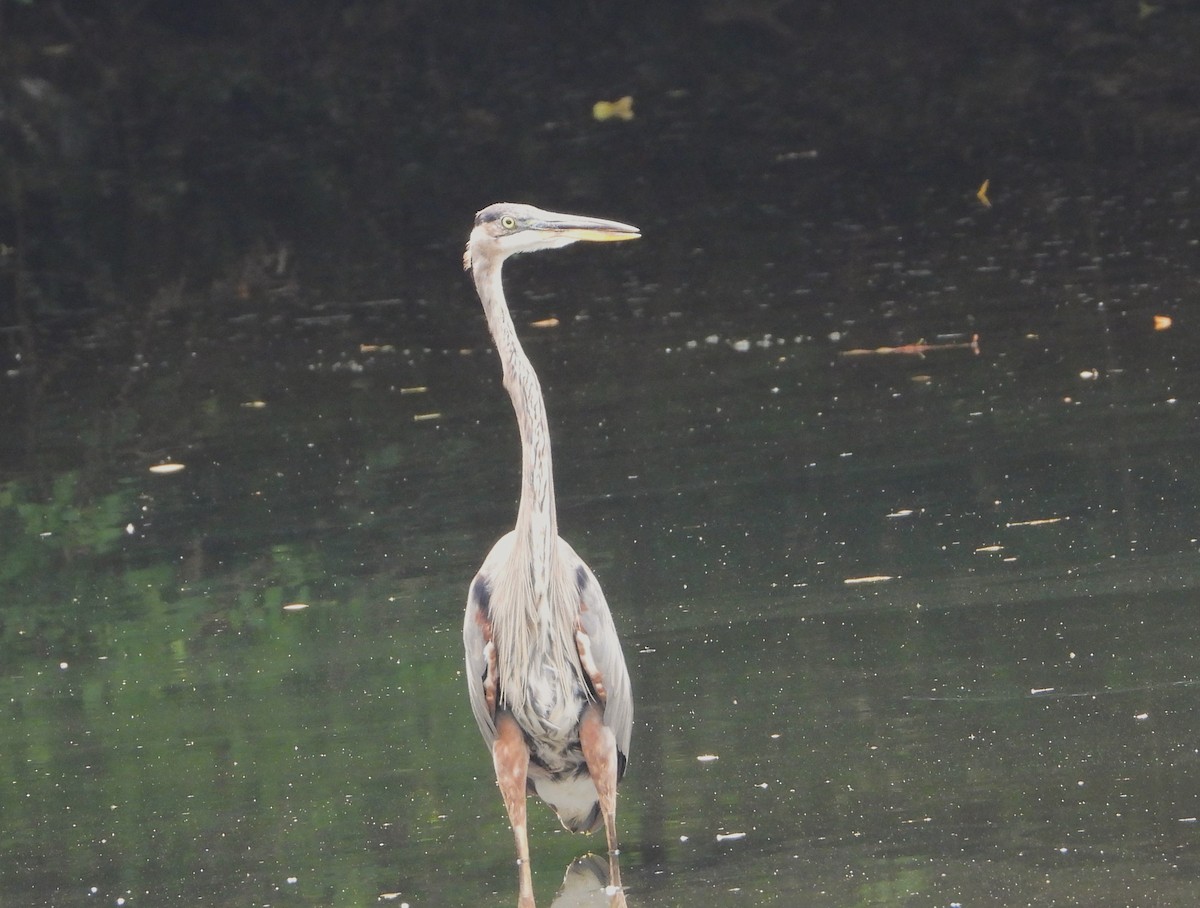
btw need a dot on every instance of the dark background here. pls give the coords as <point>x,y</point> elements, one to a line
<point>306,148</point>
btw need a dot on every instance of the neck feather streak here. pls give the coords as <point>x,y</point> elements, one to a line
<point>537,522</point>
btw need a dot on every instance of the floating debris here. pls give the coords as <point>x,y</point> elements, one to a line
<point>730,836</point>
<point>551,322</point>
<point>1037,522</point>
<point>707,758</point>
<point>415,389</point>
<point>295,606</point>
<point>254,404</point>
<point>620,109</point>
<point>990,548</point>
<point>426,417</point>
<point>874,578</point>
<point>808,154</point>
<point>164,469</point>
<point>983,196</point>
<point>1162,322</point>
<point>918,349</point>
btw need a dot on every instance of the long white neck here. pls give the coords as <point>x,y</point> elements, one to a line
<point>537,522</point>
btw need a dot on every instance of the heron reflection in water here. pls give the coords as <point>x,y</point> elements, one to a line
<point>545,671</point>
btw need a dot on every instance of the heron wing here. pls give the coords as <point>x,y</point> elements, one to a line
<point>477,635</point>
<point>596,621</point>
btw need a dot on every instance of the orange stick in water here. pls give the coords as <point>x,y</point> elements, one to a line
<point>916,349</point>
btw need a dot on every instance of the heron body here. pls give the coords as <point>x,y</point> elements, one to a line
<point>545,672</point>
<point>545,686</point>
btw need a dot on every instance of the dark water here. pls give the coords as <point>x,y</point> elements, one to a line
<point>903,630</point>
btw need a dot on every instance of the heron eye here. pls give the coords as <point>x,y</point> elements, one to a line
<point>508,222</point>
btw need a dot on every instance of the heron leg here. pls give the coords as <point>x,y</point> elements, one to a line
<point>600,751</point>
<point>510,754</point>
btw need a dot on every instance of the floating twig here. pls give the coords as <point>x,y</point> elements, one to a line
<point>919,349</point>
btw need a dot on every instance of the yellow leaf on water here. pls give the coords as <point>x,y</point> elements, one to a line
<point>620,109</point>
<point>982,194</point>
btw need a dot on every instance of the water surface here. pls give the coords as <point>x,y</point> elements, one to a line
<point>903,630</point>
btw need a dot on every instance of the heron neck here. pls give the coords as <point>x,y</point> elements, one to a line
<point>537,522</point>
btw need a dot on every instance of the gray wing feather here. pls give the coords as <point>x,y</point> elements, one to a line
<point>473,643</point>
<point>597,623</point>
<point>476,630</point>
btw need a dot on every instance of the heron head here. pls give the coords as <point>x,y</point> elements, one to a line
<point>508,228</point>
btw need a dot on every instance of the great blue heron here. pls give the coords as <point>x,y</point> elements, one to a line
<point>545,672</point>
